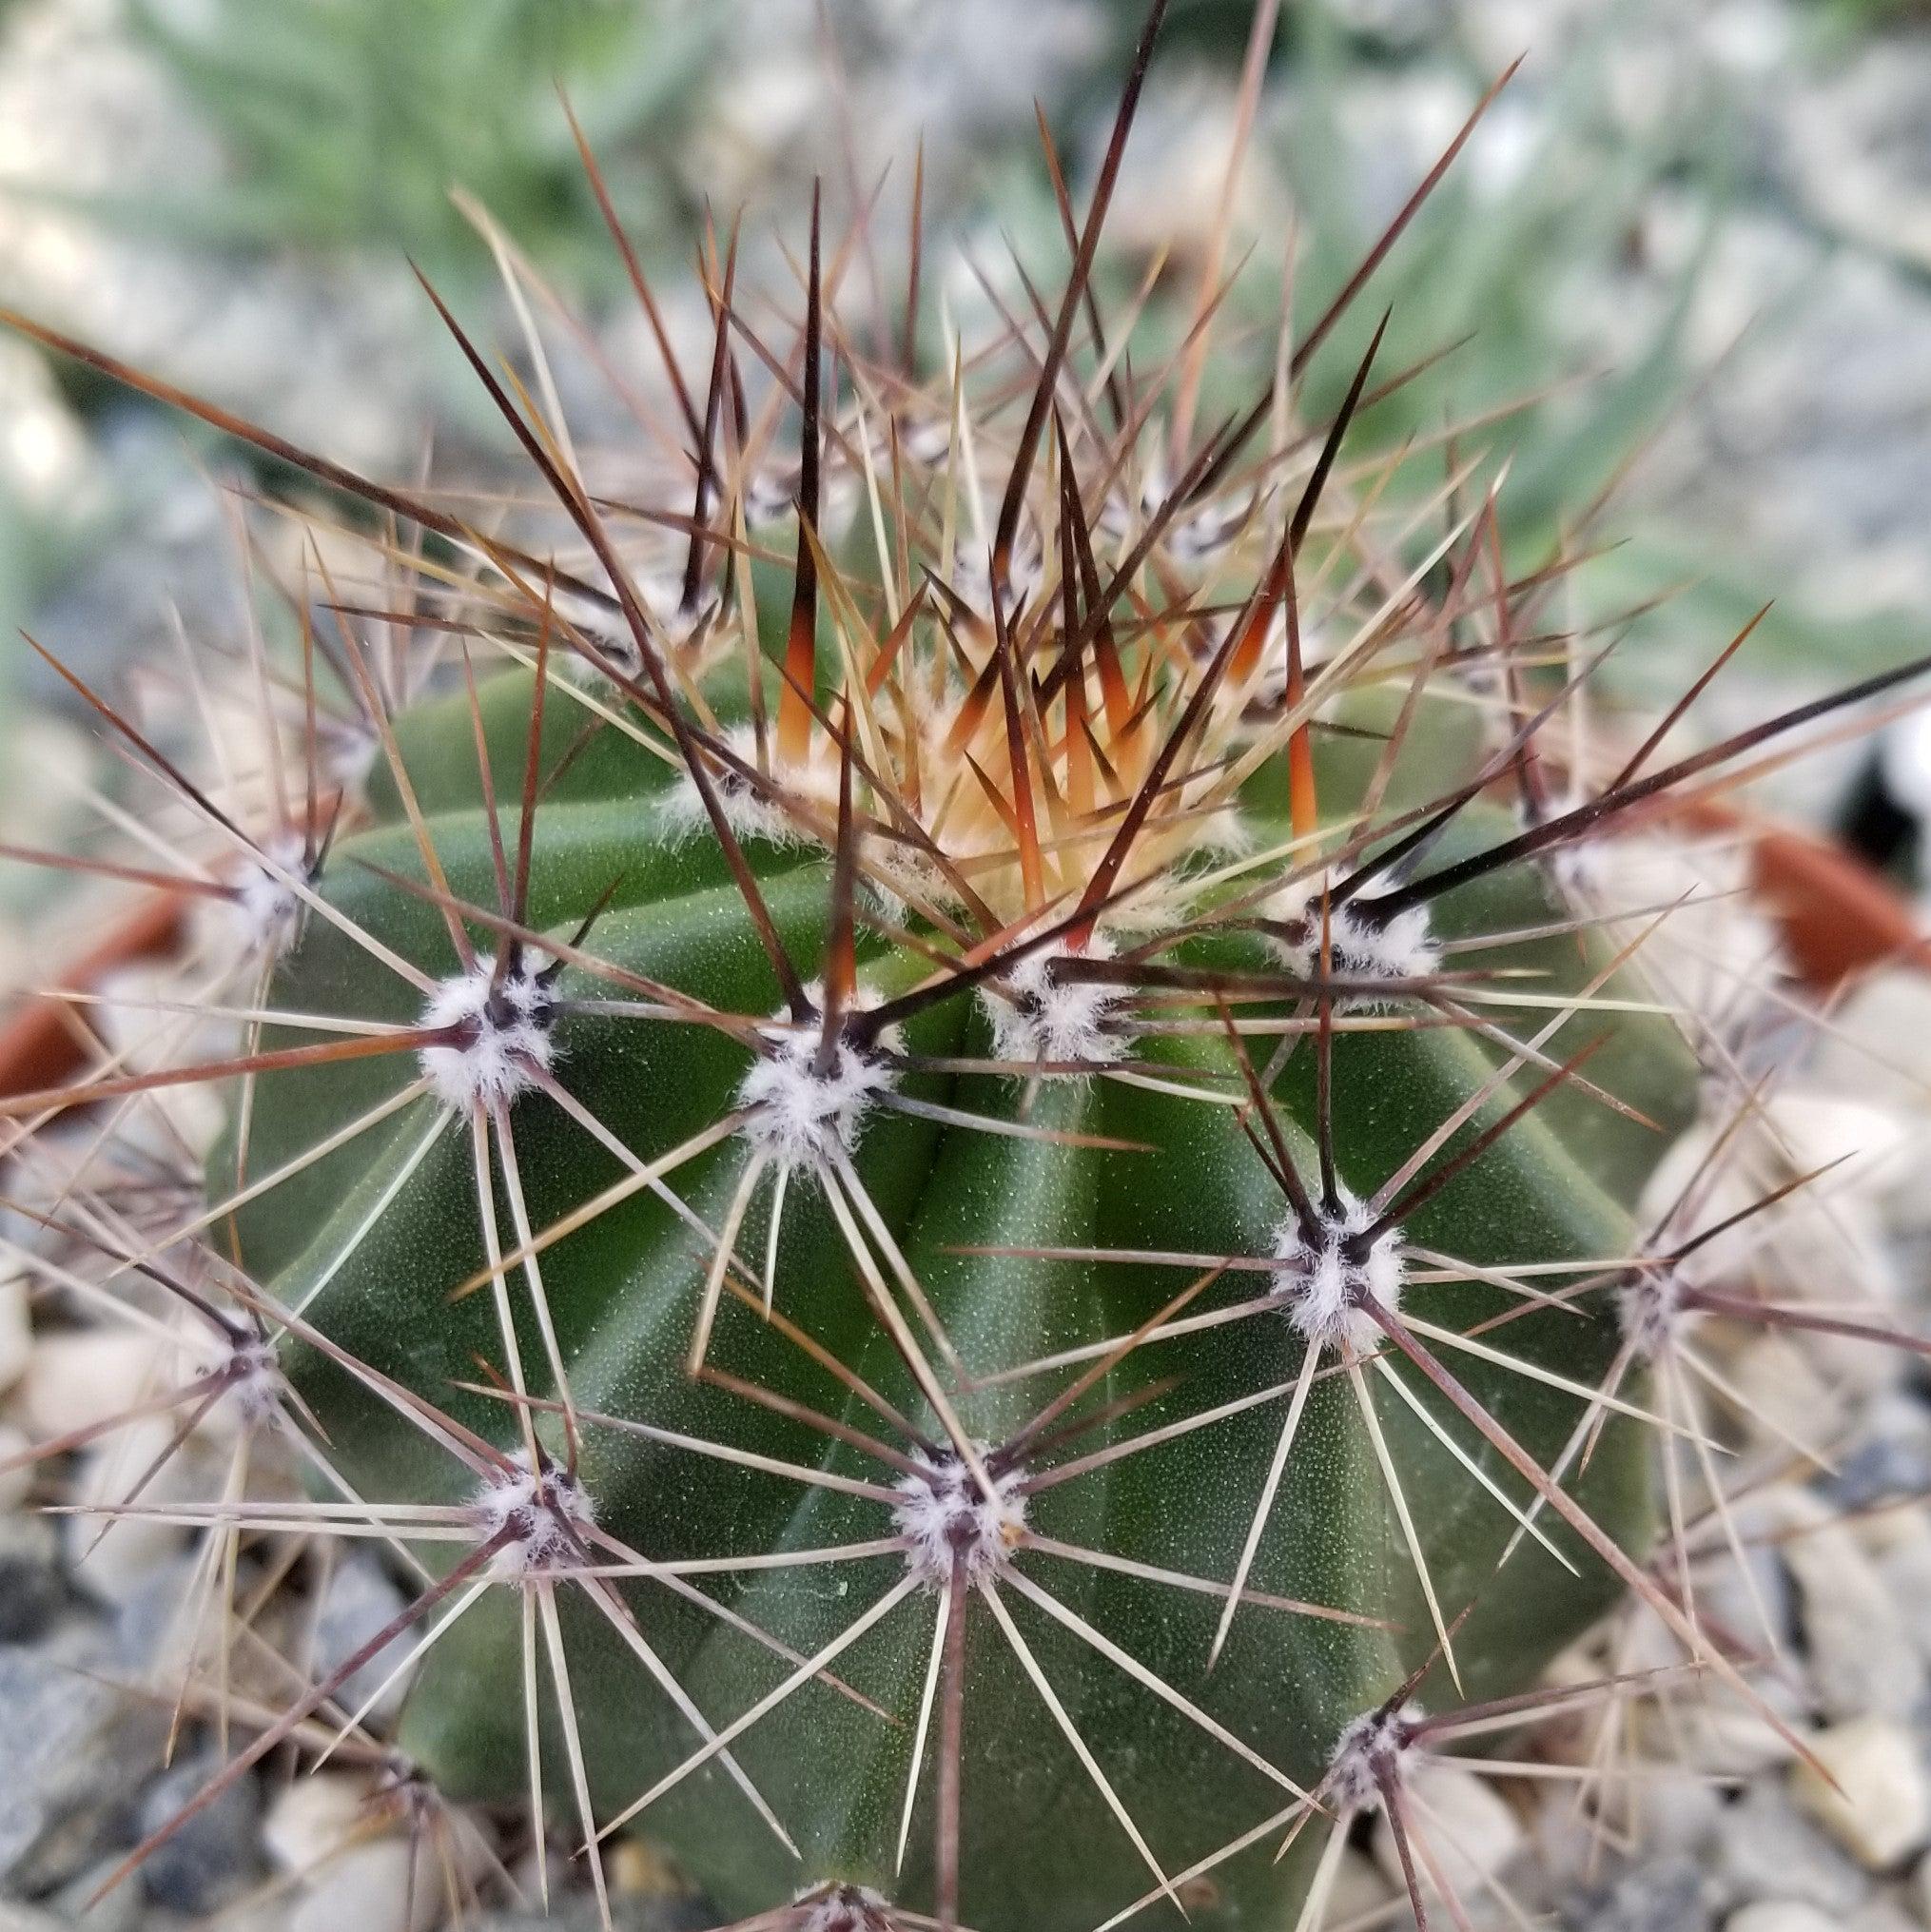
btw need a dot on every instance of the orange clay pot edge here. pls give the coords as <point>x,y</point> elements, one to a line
<point>1837,915</point>
<point>41,1042</point>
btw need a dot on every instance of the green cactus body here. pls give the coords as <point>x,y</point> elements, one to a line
<point>983,1245</point>
<point>1039,1844</point>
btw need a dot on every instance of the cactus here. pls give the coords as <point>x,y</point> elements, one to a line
<point>956,1145</point>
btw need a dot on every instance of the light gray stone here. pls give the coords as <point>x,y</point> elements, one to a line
<point>212,1857</point>
<point>118,1910</point>
<point>1879,1806</point>
<point>1767,1848</point>
<point>1650,1895</point>
<point>370,1889</point>
<point>1781,1914</point>
<point>1861,1655</point>
<point>16,1339</point>
<point>74,1748</point>
<point>360,1600</point>
<point>312,1818</point>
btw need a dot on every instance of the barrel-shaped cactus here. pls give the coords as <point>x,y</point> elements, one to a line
<point>952,1142</point>
<point>984,1173</point>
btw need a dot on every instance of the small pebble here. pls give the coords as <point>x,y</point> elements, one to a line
<point>360,1600</point>
<point>81,1378</point>
<point>16,1338</point>
<point>71,1754</point>
<point>117,1910</point>
<point>313,1817</point>
<point>15,1917</point>
<point>1767,1848</point>
<point>1360,1888</point>
<point>1880,1045</point>
<point>17,1483</point>
<point>1781,1914</point>
<point>1905,1564</point>
<point>1651,1895</point>
<point>1675,1811</point>
<point>1883,1915</point>
<point>368,1887</point>
<point>1882,1809</point>
<point>1724,1738</point>
<point>213,1855</point>
<point>1890,1455</point>
<point>1862,1657</point>
<point>1478,1832</point>
<point>113,1556</point>
<point>1790,1401</point>
<point>31,1596</point>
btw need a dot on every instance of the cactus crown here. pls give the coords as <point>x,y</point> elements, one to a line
<point>945,1136</point>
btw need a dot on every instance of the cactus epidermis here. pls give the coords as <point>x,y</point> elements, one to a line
<point>1005,1218</point>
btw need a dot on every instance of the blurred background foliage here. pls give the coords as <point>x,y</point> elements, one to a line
<point>228,192</point>
<point>348,121</point>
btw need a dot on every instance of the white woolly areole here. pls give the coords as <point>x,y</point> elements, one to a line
<point>1359,945</point>
<point>751,814</point>
<point>259,919</point>
<point>895,870</point>
<point>1374,1748</point>
<point>798,1114</point>
<point>545,1513</point>
<point>1576,867</point>
<point>842,1908</point>
<point>268,904</point>
<point>944,1513</point>
<point>1191,540</point>
<point>771,496</point>
<point>675,630</point>
<point>1039,1014</point>
<point>255,1388</point>
<point>1322,1287</point>
<point>1025,572</point>
<point>1651,1310</point>
<point>506,1035</point>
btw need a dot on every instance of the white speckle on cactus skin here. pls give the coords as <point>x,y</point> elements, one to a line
<point>505,1034</point>
<point>542,1513</point>
<point>1371,1753</point>
<point>943,1514</point>
<point>1040,1014</point>
<point>1323,1277</point>
<point>797,1114</point>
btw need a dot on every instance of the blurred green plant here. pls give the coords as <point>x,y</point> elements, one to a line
<point>350,120</point>
<point>1512,264</point>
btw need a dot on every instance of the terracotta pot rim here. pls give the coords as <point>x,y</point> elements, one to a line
<point>1839,916</point>
<point>40,1044</point>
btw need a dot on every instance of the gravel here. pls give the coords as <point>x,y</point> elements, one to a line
<point>216,1856</point>
<point>75,1752</point>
